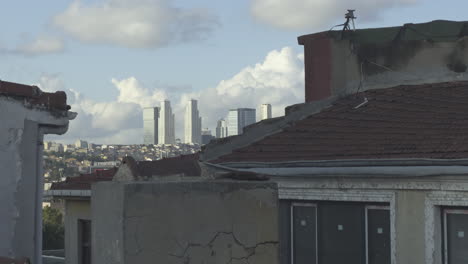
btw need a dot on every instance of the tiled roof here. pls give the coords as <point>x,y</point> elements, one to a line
<point>84,181</point>
<point>181,165</point>
<point>34,96</point>
<point>418,121</point>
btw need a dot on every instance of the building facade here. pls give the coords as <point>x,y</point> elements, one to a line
<point>192,123</point>
<point>166,130</point>
<point>238,119</point>
<point>150,125</point>
<point>27,115</point>
<point>221,129</point>
<point>265,111</point>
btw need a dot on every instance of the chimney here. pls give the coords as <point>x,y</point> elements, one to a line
<point>338,63</point>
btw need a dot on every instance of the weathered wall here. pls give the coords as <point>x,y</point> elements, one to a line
<point>346,69</point>
<point>21,133</point>
<point>186,222</point>
<point>410,227</point>
<point>74,210</point>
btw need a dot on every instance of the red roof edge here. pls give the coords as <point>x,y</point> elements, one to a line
<point>35,96</point>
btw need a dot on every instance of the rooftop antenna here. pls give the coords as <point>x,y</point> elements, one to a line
<point>347,25</point>
<point>349,18</point>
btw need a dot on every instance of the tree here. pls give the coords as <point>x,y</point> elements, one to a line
<point>53,230</point>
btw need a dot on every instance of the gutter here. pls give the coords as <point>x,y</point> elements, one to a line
<point>68,193</point>
<point>352,169</point>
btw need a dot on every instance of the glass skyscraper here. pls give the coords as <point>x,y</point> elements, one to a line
<point>239,118</point>
<point>150,125</point>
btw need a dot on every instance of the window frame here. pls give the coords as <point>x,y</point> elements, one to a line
<point>366,227</point>
<point>304,204</point>
<point>445,212</point>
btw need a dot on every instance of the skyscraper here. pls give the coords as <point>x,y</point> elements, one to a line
<point>166,130</point>
<point>238,119</point>
<point>265,111</point>
<point>221,129</point>
<point>192,123</point>
<point>150,125</point>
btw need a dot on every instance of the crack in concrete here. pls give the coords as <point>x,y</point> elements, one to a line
<point>250,250</point>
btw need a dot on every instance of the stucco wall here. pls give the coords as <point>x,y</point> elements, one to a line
<point>74,210</point>
<point>348,69</point>
<point>410,227</point>
<point>186,222</point>
<point>21,133</point>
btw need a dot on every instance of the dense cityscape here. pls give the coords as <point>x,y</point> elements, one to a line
<point>69,160</point>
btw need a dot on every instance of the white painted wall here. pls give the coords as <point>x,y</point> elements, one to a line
<point>21,132</point>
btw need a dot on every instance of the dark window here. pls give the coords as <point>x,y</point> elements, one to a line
<point>84,241</point>
<point>455,236</point>
<point>335,233</point>
<point>341,233</point>
<point>304,233</point>
<point>378,235</point>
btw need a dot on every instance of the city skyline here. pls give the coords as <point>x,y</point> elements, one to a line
<point>177,58</point>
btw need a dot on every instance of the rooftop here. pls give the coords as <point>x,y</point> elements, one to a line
<point>411,121</point>
<point>32,95</point>
<point>84,181</point>
<point>181,165</point>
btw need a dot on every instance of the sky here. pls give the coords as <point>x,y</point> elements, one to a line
<point>114,57</point>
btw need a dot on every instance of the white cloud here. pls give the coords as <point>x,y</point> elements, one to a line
<point>278,80</point>
<point>135,23</point>
<point>318,14</point>
<point>41,45</point>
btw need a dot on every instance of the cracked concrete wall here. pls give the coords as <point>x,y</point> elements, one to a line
<point>20,160</point>
<point>186,222</point>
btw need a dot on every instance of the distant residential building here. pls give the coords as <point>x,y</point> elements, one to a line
<point>166,131</point>
<point>69,148</point>
<point>265,111</point>
<point>81,144</point>
<point>57,147</point>
<point>192,123</point>
<point>91,146</point>
<point>238,119</point>
<point>221,129</point>
<point>150,125</point>
<point>206,136</point>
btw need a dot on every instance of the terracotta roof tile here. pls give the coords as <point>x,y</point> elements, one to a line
<point>419,121</point>
<point>184,164</point>
<point>34,96</point>
<point>84,181</point>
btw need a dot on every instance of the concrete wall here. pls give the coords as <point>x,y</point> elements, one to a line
<point>74,210</point>
<point>185,222</point>
<point>410,227</point>
<point>335,67</point>
<point>21,132</point>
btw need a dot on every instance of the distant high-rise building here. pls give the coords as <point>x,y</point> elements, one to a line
<point>150,125</point>
<point>192,123</point>
<point>81,144</point>
<point>265,111</point>
<point>221,129</point>
<point>238,119</point>
<point>166,130</point>
<point>206,136</point>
